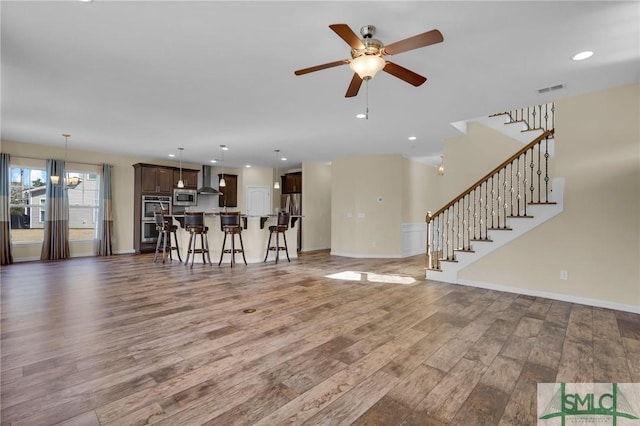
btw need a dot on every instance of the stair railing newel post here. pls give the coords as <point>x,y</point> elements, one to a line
<point>429,243</point>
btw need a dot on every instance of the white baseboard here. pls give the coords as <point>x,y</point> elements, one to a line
<point>130,251</point>
<point>555,296</point>
<point>367,255</point>
<point>306,249</point>
<point>25,259</point>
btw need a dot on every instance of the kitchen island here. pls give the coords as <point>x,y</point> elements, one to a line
<point>255,236</point>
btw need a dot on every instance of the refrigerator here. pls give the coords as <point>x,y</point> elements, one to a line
<point>292,203</point>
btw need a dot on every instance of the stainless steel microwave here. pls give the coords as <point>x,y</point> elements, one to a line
<point>185,197</point>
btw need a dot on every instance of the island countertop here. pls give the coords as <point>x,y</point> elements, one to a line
<point>255,236</point>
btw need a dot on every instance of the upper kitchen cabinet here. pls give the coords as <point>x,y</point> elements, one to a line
<point>229,192</point>
<point>189,177</point>
<point>291,183</point>
<point>154,179</point>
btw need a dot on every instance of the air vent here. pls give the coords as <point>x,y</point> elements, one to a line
<point>551,88</point>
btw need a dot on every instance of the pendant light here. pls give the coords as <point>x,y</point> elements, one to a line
<point>222,182</point>
<point>55,180</point>
<point>180,182</point>
<point>276,184</point>
<point>441,166</point>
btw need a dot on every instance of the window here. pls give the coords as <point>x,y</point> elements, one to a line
<point>26,204</point>
<point>83,205</point>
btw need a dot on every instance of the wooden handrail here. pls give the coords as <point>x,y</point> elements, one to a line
<point>491,173</point>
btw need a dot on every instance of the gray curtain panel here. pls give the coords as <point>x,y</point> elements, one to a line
<point>6,257</point>
<point>56,225</point>
<point>105,214</point>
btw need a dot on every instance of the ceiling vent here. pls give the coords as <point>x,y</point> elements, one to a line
<point>550,89</point>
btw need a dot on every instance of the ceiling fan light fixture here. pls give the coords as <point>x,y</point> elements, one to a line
<point>366,66</point>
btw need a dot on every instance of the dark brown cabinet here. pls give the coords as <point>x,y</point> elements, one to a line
<point>291,183</point>
<point>155,179</point>
<point>153,183</point>
<point>229,196</point>
<point>189,177</point>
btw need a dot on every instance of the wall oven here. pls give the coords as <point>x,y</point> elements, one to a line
<point>151,204</point>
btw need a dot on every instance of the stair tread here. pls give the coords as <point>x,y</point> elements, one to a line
<point>522,216</point>
<point>448,260</point>
<point>533,129</point>
<point>516,122</point>
<point>498,114</point>
<point>541,203</point>
<point>465,250</point>
<point>500,229</point>
<point>433,269</point>
<point>486,240</point>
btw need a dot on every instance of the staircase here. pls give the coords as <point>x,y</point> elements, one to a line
<point>514,198</point>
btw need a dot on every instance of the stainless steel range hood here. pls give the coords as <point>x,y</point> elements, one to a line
<point>207,188</point>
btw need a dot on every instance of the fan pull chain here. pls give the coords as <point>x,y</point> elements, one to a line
<point>367,110</point>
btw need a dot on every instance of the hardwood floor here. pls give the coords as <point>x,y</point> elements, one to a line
<point>121,340</point>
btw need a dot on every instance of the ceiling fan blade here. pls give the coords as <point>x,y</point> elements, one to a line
<point>415,42</point>
<point>404,74</point>
<point>354,86</point>
<point>347,34</point>
<point>321,67</point>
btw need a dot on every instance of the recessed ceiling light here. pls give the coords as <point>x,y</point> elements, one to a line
<point>86,1</point>
<point>582,55</point>
<point>213,161</point>
<point>283,159</point>
<point>248,166</point>
<point>361,115</point>
<point>172,155</point>
<point>412,138</point>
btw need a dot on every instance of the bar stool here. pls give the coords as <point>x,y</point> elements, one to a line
<point>230,225</point>
<point>194,225</point>
<point>165,227</point>
<point>281,226</point>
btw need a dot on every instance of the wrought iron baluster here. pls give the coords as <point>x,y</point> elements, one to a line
<point>459,224</point>
<point>493,200</point>
<point>518,183</point>
<point>475,215</point>
<point>531,188</point>
<point>481,210</point>
<point>505,204</point>
<point>486,209</point>
<point>524,181</point>
<point>546,170</point>
<point>511,190</point>
<point>539,172</point>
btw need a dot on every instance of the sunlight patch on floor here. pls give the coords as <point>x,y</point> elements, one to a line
<point>371,277</point>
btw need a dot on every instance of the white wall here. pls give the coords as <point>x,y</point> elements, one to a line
<point>316,206</point>
<point>366,200</point>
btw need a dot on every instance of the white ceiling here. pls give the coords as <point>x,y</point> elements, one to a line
<point>143,78</point>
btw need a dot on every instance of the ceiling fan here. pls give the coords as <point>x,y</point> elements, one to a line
<point>367,56</point>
